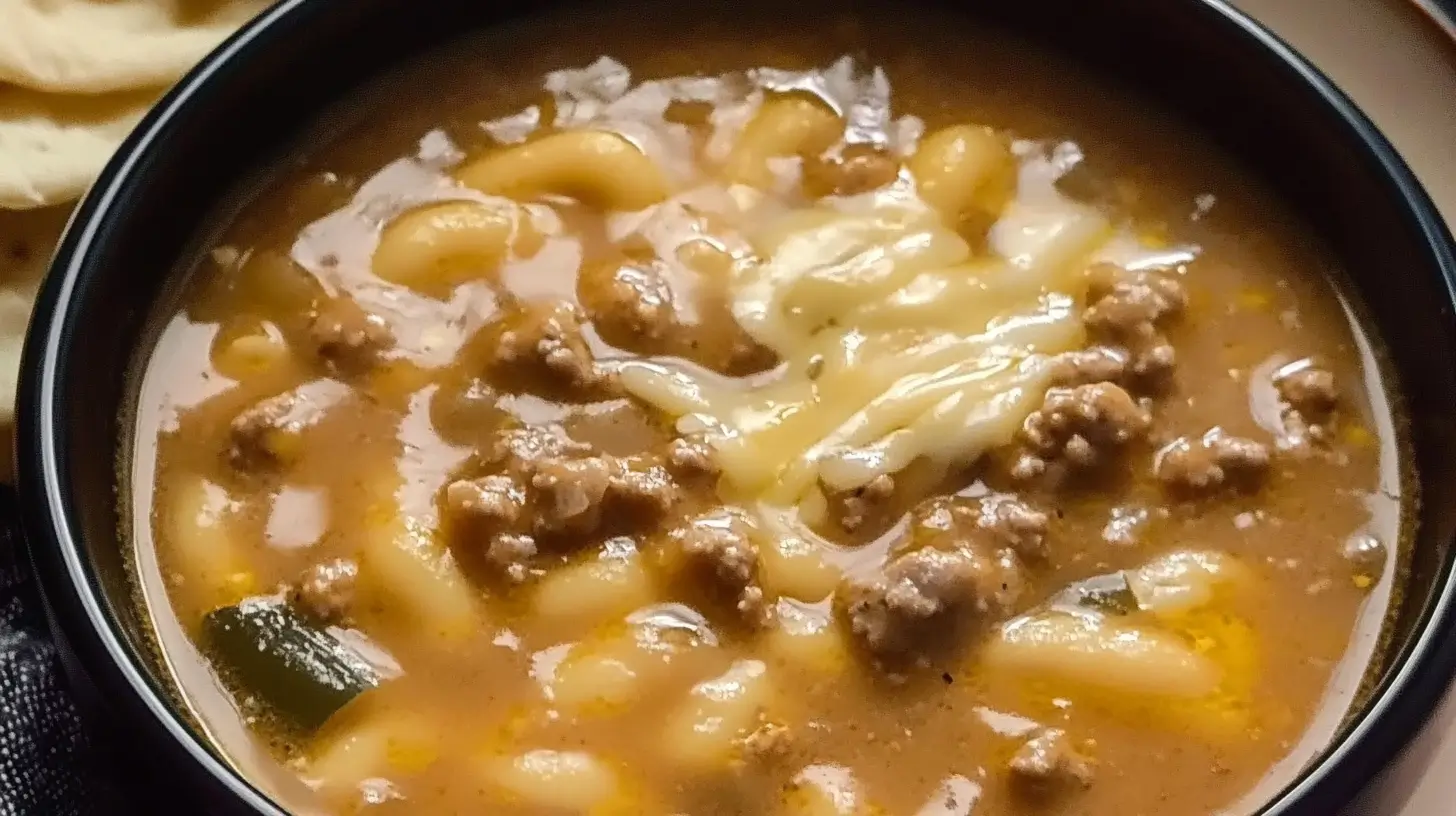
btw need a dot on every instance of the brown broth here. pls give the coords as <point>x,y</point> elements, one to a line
<point>1261,290</point>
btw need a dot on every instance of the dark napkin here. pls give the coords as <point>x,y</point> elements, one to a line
<point>49,764</point>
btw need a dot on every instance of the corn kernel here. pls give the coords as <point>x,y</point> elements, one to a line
<point>1363,581</point>
<point>240,585</point>
<point>1357,436</point>
<point>1154,237</point>
<point>1254,300</point>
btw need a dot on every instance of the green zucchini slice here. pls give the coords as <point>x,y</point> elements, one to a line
<point>302,672</point>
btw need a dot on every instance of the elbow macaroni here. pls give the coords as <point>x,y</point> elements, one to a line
<point>605,587</point>
<point>559,781</point>
<point>404,568</point>
<point>964,169</point>
<point>786,126</point>
<point>195,515</point>
<point>438,245</point>
<point>596,167</point>
<point>702,736</point>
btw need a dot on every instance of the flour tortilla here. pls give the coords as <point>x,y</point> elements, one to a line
<point>101,46</point>
<point>52,146</point>
<point>27,239</point>
<point>75,77</point>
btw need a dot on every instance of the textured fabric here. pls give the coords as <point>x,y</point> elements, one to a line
<point>48,764</point>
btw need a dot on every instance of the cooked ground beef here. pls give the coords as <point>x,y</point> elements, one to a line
<point>348,338</point>
<point>858,168</point>
<point>991,522</point>
<point>1127,308</point>
<point>497,498</point>
<point>546,337</point>
<point>268,433</point>
<point>1309,390</point>
<point>633,305</point>
<point>1050,759</point>
<point>691,457</point>
<point>511,554</point>
<point>571,493</point>
<point>1210,460</point>
<point>544,486</point>
<point>1078,425</point>
<point>326,591</point>
<point>521,451</point>
<point>916,596</point>
<point>1090,365</point>
<point>721,545</point>
<point>1310,397</point>
<point>629,301</point>
<point>864,505</point>
<point>959,562</point>
<point>1015,524</point>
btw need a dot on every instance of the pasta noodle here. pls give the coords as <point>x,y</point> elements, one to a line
<point>561,781</point>
<point>408,571</point>
<point>435,246</point>
<point>963,169</point>
<point>702,734</point>
<point>596,167</point>
<point>785,126</point>
<point>607,586</point>
<point>195,514</point>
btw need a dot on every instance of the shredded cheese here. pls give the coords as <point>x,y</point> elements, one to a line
<point>897,342</point>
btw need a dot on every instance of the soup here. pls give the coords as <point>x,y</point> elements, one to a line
<point>660,413</point>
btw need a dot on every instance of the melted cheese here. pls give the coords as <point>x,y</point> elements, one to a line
<point>897,342</point>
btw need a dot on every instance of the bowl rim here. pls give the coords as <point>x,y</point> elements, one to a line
<point>1394,713</point>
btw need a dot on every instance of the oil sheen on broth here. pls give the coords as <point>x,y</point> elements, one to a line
<point>895,423</point>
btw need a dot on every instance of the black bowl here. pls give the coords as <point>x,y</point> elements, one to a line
<point>1223,72</point>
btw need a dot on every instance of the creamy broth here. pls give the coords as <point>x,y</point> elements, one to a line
<point>628,413</point>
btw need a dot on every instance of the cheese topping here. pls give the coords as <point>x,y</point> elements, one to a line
<point>897,341</point>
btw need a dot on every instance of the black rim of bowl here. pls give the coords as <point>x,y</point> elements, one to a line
<point>1394,713</point>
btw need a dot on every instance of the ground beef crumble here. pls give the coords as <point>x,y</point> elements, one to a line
<point>629,301</point>
<point>546,337</point>
<point>1127,308</point>
<point>960,562</point>
<point>326,591</point>
<point>864,506</point>
<point>689,457</point>
<point>267,434</point>
<point>1078,426</point>
<point>993,521</point>
<point>348,338</point>
<point>1050,759</point>
<point>1310,397</point>
<point>1089,365</point>
<point>721,544</point>
<point>1207,462</point>
<point>543,486</point>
